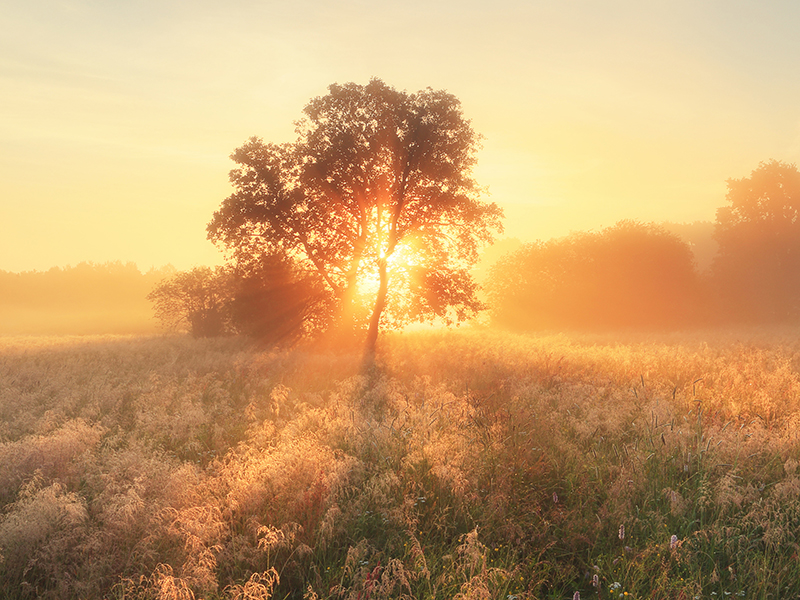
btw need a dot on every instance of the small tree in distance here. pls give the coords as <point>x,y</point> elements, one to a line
<point>270,302</point>
<point>197,301</point>
<point>375,199</point>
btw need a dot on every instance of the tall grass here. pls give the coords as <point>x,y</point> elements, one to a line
<point>473,464</point>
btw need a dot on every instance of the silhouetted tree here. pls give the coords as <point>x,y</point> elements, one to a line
<point>757,270</point>
<point>197,300</point>
<point>629,275</point>
<point>376,197</point>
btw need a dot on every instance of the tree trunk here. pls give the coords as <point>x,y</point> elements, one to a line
<point>375,319</point>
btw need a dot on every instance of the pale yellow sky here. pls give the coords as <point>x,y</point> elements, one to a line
<point>117,118</point>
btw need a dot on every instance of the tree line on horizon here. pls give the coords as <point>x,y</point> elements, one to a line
<point>643,275</point>
<point>631,275</point>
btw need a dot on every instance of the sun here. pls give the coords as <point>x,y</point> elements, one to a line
<point>398,264</point>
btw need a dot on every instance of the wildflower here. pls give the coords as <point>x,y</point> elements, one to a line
<point>595,581</point>
<point>576,596</point>
<point>615,586</point>
<point>673,542</point>
<point>555,498</point>
<point>622,532</point>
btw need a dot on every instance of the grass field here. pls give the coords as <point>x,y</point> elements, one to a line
<point>473,464</point>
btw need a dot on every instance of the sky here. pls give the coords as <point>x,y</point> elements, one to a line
<point>117,118</point>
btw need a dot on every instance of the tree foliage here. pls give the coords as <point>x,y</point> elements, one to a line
<point>375,198</point>
<point>757,270</point>
<point>629,275</point>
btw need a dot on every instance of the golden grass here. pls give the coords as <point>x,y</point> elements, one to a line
<point>473,464</point>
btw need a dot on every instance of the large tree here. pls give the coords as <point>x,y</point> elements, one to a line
<point>757,270</point>
<point>375,197</point>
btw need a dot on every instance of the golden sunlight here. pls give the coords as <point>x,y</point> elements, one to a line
<point>369,280</point>
<point>367,287</point>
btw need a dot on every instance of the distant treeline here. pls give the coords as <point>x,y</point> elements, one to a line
<point>636,275</point>
<point>628,275</point>
<point>89,298</point>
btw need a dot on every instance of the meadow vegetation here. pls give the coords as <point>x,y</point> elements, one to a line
<point>472,464</point>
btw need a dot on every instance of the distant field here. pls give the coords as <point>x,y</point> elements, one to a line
<point>474,464</point>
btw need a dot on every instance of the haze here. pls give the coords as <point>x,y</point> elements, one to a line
<point>118,118</point>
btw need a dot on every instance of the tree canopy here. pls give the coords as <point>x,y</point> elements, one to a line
<point>375,198</point>
<point>757,270</point>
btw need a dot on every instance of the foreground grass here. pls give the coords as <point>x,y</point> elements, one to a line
<point>472,465</point>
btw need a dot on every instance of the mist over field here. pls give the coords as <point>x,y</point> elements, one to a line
<point>84,299</point>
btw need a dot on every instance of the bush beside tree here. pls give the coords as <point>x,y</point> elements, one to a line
<point>269,301</point>
<point>628,275</point>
